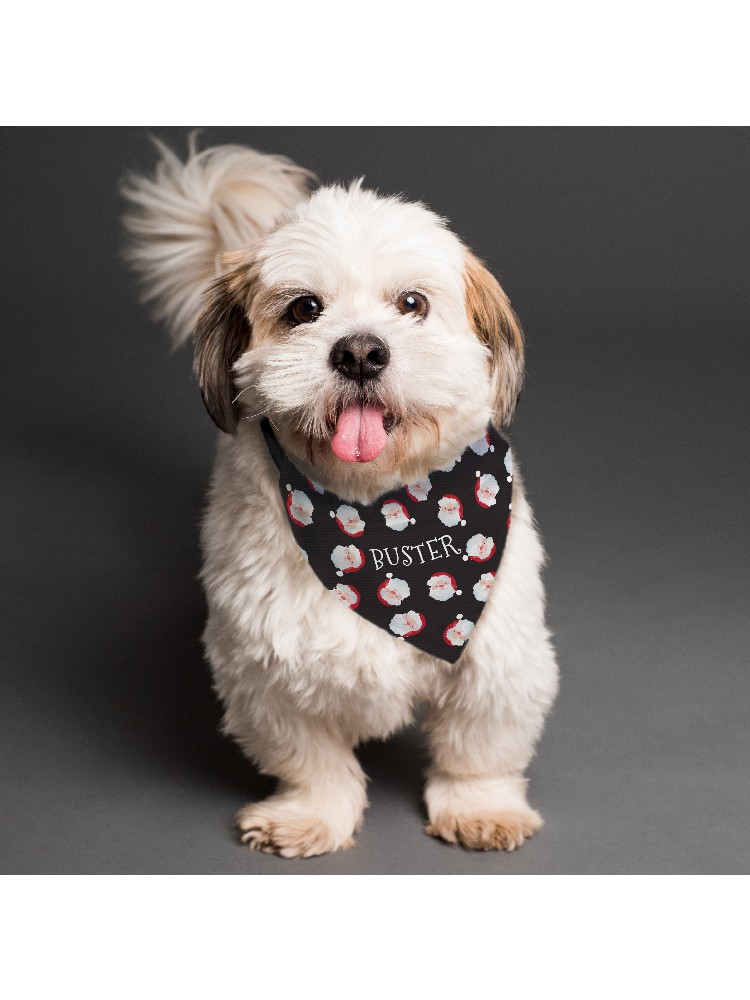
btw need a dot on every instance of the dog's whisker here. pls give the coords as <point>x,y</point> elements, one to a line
<point>240,393</point>
<point>254,416</point>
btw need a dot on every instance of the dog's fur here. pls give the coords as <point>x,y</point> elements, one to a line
<point>224,243</point>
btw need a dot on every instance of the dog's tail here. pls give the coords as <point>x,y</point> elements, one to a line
<point>189,213</point>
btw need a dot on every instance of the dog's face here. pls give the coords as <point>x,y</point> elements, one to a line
<point>375,343</point>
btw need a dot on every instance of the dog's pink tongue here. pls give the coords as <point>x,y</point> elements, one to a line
<point>360,435</point>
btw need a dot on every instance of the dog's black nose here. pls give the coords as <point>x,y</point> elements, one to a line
<point>360,356</point>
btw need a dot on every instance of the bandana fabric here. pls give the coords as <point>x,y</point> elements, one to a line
<point>420,561</point>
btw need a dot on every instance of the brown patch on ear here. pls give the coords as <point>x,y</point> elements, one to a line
<point>222,334</point>
<point>498,328</point>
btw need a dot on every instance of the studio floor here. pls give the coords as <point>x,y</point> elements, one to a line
<point>631,436</point>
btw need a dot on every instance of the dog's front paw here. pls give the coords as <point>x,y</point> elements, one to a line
<point>483,814</point>
<point>289,828</point>
<point>502,831</point>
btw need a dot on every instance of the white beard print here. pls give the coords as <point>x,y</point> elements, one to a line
<point>346,594</point>
<point>480,548</point>
<point>347,558</point>
<point>405,624</point>
<point>441,587</point>
<point>486,491</point>
<point>300,508</point>
<point>419,490</point>
<point>394,592</point>
<point>459,633</point>
<point>483,586</point>
<point>349,520</point>
<point>449,512</point>
<point>394,516</point>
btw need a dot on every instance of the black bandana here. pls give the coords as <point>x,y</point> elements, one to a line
<point>420,561</point>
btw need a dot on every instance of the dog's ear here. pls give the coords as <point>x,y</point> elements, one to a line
<point>222,333</point>
<point>498,328</point>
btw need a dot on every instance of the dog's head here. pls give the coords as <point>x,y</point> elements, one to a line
<point>375,342</point>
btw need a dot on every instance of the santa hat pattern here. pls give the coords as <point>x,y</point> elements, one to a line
<point>356,544</point>
<point>486,490</point>
<point>407,624</point>
<point>483,586</point>
<point>458,631</point>
<point>418,491</point>
<point>442,587</point>
<point>349,595</point>
<point>480,548</point>
<point>393,591</point>
<point>347,559</point>
<point>299,507</point>
<point>450,510</point>
<point>349,521</point>
<point>396,515</point>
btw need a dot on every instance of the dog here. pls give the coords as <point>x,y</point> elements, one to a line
<point>357,337</point>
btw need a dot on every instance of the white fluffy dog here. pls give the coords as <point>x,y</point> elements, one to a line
<point>235,247</point>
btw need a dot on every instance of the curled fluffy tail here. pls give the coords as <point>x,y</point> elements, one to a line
<point>189,213</point>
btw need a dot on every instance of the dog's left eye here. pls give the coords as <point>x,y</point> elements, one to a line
<point>412,304</point>
<point>305,310</point>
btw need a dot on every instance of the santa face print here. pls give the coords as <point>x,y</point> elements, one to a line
<point>349,521</point>
<point>396,515</point>
<point>347,559</point>
<point>458,632</point>
<point>482,445</point>
<point>450,511</point>
<point>479,548</point>
<point>408,624</point>
<point>393,591</point>
<point>418,491</point>
<point>419,563</point>
<point>442,587</point>
<point>347,594</point>
<point>486,490</point>
<point>483,586</point>
<point>299,507</point>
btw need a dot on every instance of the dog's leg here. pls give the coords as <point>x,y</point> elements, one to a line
<point>321,795</point>
<point>482,734</point>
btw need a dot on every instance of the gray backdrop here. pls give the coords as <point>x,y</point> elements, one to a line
<point>626,255</point>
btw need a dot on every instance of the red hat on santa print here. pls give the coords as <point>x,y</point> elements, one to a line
<point>460,630</point>
<point>347,594</point>
<point>393,591</point>
<point>347,559</point>
<point>418,491</point>
<point>396,515</point>
<point>486,489</point>
<point>405,625</point>
<point>442,587</point>
<point>447,512</point>
<point>299,507</point>
<point>348,519</point>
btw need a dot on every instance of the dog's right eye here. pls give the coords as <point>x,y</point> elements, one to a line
<point>305,310</point>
